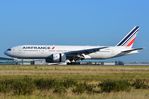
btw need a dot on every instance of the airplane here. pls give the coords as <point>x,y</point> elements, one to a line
<point>63,54</point>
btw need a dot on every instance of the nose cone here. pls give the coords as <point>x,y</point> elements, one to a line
<point>8,52</point>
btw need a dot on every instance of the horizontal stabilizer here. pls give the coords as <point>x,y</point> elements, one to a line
<point>129,51</point>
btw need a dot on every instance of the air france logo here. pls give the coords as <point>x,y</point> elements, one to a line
<point>37,47</point>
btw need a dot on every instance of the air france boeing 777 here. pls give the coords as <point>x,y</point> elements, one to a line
<point>58,54</point>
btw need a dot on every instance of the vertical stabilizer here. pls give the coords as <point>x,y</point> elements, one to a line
<point>129,39</point>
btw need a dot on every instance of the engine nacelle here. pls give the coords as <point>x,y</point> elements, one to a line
<point>56,58</point>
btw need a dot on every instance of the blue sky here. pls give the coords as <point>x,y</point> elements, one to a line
<point>73,22</point>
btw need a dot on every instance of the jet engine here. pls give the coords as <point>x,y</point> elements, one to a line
<point>56,58</point>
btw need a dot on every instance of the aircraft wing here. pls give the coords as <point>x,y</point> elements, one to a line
<point>85,51</point>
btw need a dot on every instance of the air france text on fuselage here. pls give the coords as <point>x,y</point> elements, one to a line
<point>37,47</point>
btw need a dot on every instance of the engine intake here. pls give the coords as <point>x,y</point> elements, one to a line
<point>56,58</point>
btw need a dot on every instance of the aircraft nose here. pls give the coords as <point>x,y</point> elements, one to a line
<point>7,52</point>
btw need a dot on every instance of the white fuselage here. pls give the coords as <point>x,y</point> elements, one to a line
<point>44,51</point>
<point>53,53</point>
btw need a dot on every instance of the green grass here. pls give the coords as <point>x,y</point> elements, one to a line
<point>90,74</point>
<point>139,94</point>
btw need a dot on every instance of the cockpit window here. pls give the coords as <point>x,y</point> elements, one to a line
<point>9,49</point>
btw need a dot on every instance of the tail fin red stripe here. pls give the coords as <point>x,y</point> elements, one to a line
<point>131,42</point>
